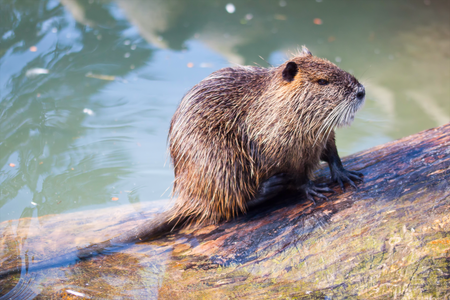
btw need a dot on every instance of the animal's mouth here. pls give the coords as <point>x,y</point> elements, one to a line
<point>342,115</point>
<point>348,111</point>
<point>360,102</point>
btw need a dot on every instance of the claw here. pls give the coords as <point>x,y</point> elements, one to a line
<point>311,190</point>
<point>310,198</point>
<point>352,184</point>
<point>341,184</point>
<point>357,174</point>
<point>324,189</point>
<point>318,194</point>
<point>342,176</point>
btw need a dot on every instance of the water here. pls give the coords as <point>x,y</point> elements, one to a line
<point>88,88</point>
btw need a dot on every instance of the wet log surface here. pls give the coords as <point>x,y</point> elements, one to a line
<point>389,239</point>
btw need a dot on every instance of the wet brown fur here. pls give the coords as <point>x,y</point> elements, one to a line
<point>242,125</point>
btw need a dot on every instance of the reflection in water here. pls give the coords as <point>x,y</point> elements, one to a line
<point>43,125</point>
<point>392,54</point>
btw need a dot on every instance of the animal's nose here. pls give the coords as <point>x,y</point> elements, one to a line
<point>361,93</point>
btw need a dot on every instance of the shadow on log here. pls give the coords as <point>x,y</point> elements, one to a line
<point>390,239</point>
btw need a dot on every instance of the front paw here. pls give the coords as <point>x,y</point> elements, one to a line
<point>342,176</point>
<point>311,190</point>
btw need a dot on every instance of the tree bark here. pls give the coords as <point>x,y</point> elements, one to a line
<point>390,239</point>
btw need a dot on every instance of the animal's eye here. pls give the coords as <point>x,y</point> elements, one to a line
<point>322,82</point>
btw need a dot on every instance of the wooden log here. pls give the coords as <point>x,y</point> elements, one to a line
<point>390,239</point>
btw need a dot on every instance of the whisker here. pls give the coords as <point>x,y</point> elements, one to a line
<point>330,121</point>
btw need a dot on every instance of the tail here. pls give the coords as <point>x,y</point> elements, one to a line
<point>151,229</point>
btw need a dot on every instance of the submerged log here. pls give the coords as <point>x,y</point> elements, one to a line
<point>389,239</point>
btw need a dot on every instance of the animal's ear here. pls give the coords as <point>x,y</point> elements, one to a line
<point>290,71</point>
<point>305,52</point>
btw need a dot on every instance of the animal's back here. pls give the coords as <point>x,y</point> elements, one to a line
<point>219,99</point>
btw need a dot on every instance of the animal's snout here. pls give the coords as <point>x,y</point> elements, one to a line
<point>361,92</point>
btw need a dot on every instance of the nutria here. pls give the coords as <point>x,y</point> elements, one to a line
<point>242,135</point>
<point>242,130</point>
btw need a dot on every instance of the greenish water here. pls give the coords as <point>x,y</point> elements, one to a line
<point>88,88</point>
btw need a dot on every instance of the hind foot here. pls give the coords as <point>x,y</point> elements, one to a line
<point>270,188</point>
<point>312,190</point>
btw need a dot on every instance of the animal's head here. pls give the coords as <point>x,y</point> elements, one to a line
<point>323,94</point>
